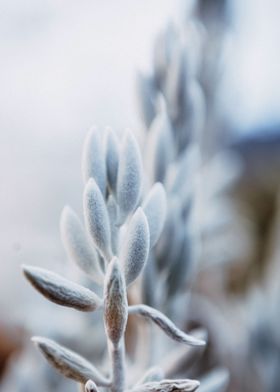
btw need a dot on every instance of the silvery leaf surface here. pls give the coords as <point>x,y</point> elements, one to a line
<point>168,386</point>
<point>62,291</point>
<point>155,207</point>
<point>146,97</point>
<point>97,219</point>
<point>129,183</point>
<point>78,246</point>
<point>135,250</point>
<point>69,363</point>
<point>93,159</point>
<point>160,146</point>
<point>163,322</point>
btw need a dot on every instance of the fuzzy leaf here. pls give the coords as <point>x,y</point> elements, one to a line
<point>165,324</point>
<point>77,245</point>
<point>161,146</point>
<point>129,181</point>
<point>154,207</point>
<point>168,386</point>
<point>115,302</point>
<point>135,250</point>
<point>146,97</point>
<point>93,159</point>
<point>112,159</point>
<point>60,290</point>
<point>68,363</point>
<point>97,219</point>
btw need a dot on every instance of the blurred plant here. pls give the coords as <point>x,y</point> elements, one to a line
<point>175,106</point>
<point>187,70</point>
<point>178,104</point>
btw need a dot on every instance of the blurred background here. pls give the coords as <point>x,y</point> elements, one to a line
<point>66,66</point>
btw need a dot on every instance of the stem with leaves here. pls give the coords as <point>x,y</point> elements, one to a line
<point>113,250</point>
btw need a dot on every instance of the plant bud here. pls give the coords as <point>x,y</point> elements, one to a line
<point>115,302</point>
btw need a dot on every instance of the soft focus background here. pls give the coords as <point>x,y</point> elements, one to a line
<point>66,66</point>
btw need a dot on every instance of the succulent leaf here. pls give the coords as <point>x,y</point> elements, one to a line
<point>168,386</point>
<point>135,250</point>
<point>93,159</point>
<point>165,324</point>
<point>97,219</point>
<point>161,146</point>
<point>154,207</point>
<point>69,363</point>
<point>60,290</point>
<point>78,246</point>
<point>129,181</point>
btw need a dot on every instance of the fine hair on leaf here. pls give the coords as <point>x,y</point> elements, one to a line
<point>97,219</point>
<point>136,245</point>
<point>78,246</point>
<point>68,363</point>
<point>60,290</point>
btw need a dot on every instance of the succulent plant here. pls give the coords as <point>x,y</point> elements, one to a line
<point>122,225</point>
<point>140,241</point>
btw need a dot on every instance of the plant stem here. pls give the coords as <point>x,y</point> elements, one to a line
<point>81,388</point>
<point>118,366</point>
